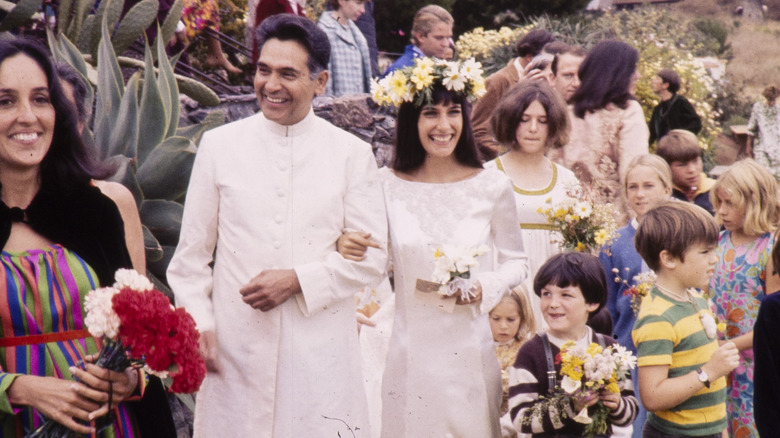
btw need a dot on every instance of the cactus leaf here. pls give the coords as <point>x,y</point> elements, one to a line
<point>20,14</point>
<point>134,23</point>
<point>64,50</point>
<point>125,175</point>
<point>154,251</point>
<point>166,172</point>
<point>64,10</point>
<point>168,88</point>
<point>152,114</point>
<point>197,91</point>
<point>84,38</point>
<point>74,28</point>
<point>168,28</point>
<point>124,136</point>
<point>157,270</point>
<point>163,218</point>
<point>111,86</point>
<point>194,132</point>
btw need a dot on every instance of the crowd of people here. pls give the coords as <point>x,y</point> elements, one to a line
<point>288,224</point>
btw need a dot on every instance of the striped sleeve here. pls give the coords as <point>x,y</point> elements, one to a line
<point>525,389</point>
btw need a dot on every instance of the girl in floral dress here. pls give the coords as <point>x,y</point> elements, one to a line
<point>745,201</point>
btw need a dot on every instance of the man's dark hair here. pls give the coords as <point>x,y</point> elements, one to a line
<point>670,77</point>
<point>289,27</point>
<point>533,42</point>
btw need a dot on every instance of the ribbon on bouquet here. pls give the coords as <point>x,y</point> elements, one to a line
<point>445,296</point>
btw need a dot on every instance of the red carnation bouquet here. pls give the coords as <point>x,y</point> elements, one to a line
<point>139,328</point>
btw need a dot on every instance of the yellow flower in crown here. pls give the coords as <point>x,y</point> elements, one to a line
<point>416,83</point>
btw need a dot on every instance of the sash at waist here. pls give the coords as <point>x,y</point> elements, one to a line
<point>69,335</point>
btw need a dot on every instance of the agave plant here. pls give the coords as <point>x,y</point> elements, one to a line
<point>136,126</point>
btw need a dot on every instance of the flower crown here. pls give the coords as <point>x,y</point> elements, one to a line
<point>415,83</point>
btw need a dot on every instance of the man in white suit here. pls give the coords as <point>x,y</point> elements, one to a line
<point>268,198</point>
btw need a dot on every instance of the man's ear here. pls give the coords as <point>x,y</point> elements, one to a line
<point>321,82</point>
<point>668,261</point>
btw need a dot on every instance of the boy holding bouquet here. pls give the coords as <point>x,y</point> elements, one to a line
<point>681,367</point>
<point>545,401</point>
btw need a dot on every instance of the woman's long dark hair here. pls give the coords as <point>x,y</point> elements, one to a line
<point>68,163</point>
<point>605,77</point>
<point>409,152</point>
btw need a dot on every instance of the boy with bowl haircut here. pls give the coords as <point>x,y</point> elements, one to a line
<point>571,287</point>
<point>681,367</point>
<point>682,151</point>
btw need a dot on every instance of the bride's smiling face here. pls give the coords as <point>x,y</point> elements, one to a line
<point>440,126</point>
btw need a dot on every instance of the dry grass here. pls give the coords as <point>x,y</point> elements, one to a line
<point>756,60</point>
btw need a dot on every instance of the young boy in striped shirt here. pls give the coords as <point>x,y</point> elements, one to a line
<point>682,368</point>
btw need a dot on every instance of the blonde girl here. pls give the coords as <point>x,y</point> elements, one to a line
<point>512,324</point>
<point>745,202</point>
<point>648,183</point>
<point>530,121</point>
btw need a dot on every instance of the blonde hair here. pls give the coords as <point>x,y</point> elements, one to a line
<point>527,327</point>
<point>427,17</point>
<point>658,164</point>
<point>754,188</point>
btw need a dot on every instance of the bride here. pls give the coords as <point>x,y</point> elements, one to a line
<point>442,377</point>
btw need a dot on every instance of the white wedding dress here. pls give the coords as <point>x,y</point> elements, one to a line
<point>442,377</point>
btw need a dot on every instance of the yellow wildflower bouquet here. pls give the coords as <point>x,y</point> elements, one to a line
<point>585,372</point>
<point>588,371</point>
<point>583,225</point>
<point>415,83</point>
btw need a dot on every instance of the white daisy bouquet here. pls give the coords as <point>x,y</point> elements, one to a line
<point>583,225</point>
<point>584,373</point>
<point>416,82</point>
<point>452,270</point>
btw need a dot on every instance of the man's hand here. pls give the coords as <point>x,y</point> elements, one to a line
<point>270,288</point>
<point>208,350</point>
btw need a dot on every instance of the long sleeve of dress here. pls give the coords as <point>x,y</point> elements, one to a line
<point>512,266</point>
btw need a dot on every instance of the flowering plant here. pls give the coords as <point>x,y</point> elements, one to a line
<point>452,270</point>
<point>415,83</point>
<point>643,282</point>
<point>584,373</point>
<point>584,225</point>
<point>139,328</point>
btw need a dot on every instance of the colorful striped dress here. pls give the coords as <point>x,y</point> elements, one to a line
<point>42,293</point>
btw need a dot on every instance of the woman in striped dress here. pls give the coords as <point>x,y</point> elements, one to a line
<point>61,237</point>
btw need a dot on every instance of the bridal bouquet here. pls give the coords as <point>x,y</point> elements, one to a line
<point>584,225</point>
<point>139,328</point>
<point>642,283</point>
<point>584,373</point>
<point>452,270</point>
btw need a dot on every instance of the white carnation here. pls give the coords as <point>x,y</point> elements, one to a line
<point>101,320</point>
<point>129,278</point>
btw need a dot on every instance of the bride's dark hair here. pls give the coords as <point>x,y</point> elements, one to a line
<point>409,152</point>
